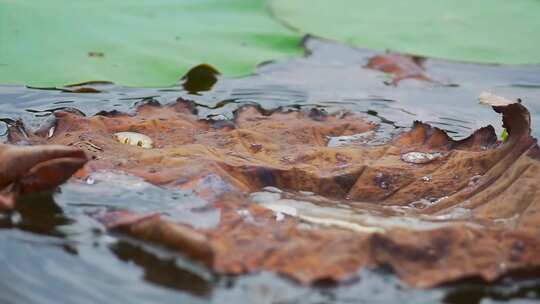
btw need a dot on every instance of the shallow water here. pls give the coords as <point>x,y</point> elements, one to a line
<point>54,251</point>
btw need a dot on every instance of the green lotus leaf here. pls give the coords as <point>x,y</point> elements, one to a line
<point>135,43</point>
<point>486,31</point>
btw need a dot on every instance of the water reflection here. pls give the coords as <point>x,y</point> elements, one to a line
<point>162,271</point>
<point>504,291</point>
<point>37,213</point>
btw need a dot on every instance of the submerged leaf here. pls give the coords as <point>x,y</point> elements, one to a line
<point>345,206</point>
<point>400,66</point>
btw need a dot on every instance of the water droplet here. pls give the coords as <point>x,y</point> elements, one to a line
<point>16,218</point>
<point>420,157</point>
<point>255,148</point>
<point>473,180</point>
<point>246,216</point>
<point>426,178</point>
<point>90,180</point>
<point>243,212</point>
<point>382,180</point>
<point>421,204</point>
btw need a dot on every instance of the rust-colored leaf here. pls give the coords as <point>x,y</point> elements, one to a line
<point>432,208</point>
<point>26,170</point>
<point>401,66</point>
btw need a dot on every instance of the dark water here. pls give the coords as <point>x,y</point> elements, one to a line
<point>52,251</point>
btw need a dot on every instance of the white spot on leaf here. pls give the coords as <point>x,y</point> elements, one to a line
<point>134,139</point>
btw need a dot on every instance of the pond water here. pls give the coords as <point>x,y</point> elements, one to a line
<point>53,251</point>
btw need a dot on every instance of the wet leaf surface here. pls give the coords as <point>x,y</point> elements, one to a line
<point>490,185</point>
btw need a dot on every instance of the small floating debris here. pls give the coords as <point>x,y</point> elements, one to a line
<point>51,132</point>
<point>495,101</point>
<point>421,157</point>
<point>134,139</point>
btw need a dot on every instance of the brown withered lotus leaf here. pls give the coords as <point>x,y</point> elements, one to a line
<point>401,66</point>
<point>25,170</point>
<point>432,208</point>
